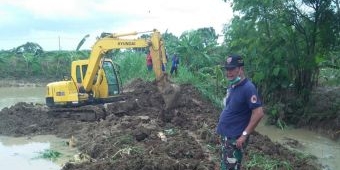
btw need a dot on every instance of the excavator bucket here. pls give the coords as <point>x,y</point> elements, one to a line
<point>170,91</point>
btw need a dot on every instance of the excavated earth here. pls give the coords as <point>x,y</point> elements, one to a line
<point>138,134</point>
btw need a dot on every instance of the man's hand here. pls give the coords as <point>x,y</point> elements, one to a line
<point>240,141</point>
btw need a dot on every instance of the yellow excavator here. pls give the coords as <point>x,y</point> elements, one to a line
<point>96,80</point>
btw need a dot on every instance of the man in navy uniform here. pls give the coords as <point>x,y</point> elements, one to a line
<point>240,116</point>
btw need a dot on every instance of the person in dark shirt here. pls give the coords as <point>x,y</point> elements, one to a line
<point>174,64</point>
<point>241,113</point>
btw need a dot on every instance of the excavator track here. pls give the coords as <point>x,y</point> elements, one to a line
<point>87,113</point>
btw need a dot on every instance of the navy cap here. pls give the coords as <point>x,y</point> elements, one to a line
<point>233,61</point>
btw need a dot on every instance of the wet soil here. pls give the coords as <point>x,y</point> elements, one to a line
<point>139,134</point>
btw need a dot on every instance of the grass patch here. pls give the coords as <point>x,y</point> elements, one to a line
<point>125,139</point>
<point>49,154</point>
<point>266,163</point>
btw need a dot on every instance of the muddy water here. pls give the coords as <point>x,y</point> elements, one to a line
<point>23,153</point>
<point>327,151</point>
<point>11,95</point>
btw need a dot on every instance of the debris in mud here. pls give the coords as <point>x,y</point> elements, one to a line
<point>295,144</point>
<point>128,137</point>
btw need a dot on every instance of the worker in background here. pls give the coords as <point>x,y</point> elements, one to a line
<point>240,116</point>
<point>174,64</point>
<point>163,64</point>
<point>149,62</point>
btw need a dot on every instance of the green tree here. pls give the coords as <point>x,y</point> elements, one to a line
<point>29,47</point>
<point>171,42</point>
<point>284,43</point>
<point>197,49</point>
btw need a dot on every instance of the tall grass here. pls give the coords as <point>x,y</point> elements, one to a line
<point>131,66</point>
<point>204,85</point>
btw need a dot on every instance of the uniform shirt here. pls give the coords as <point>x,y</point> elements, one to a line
<point>241,100</point>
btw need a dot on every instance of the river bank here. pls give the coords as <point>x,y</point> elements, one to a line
<point>28,82</point>
<point>322,112</point>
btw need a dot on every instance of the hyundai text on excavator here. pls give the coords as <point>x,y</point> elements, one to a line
<point>96,80</point>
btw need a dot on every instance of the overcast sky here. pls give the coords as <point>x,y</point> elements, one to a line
<point>48,22</point>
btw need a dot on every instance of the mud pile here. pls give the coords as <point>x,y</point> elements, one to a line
<point>139,134</point>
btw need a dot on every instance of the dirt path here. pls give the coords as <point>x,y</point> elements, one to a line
<point>128,137</point>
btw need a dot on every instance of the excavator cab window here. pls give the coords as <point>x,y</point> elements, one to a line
<point>111,77</point>
<point>78,74</point>
<point>84,69</point>
<point>81,73</point>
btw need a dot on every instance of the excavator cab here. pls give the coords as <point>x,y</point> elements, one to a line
<point>106,84</point>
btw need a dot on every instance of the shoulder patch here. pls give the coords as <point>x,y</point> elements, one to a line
<point>253,99</point>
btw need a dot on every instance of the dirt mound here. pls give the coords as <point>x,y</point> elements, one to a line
<point>140,134</point>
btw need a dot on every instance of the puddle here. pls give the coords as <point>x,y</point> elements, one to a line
<point>23,153</point>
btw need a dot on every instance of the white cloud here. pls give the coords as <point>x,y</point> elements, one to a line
<point>43,21</point>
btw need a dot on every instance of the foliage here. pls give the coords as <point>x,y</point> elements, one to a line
<point>284,44</point>
<point>196,49</point>
<point>49,154</point>
<point>329,70</point>
<point>205,84</point>
<point>171,42</point>
<point>51,64</point>
<point>29,47</point>
<point>261,161</point>
<point>276,115</point>
<point>132,65</point>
